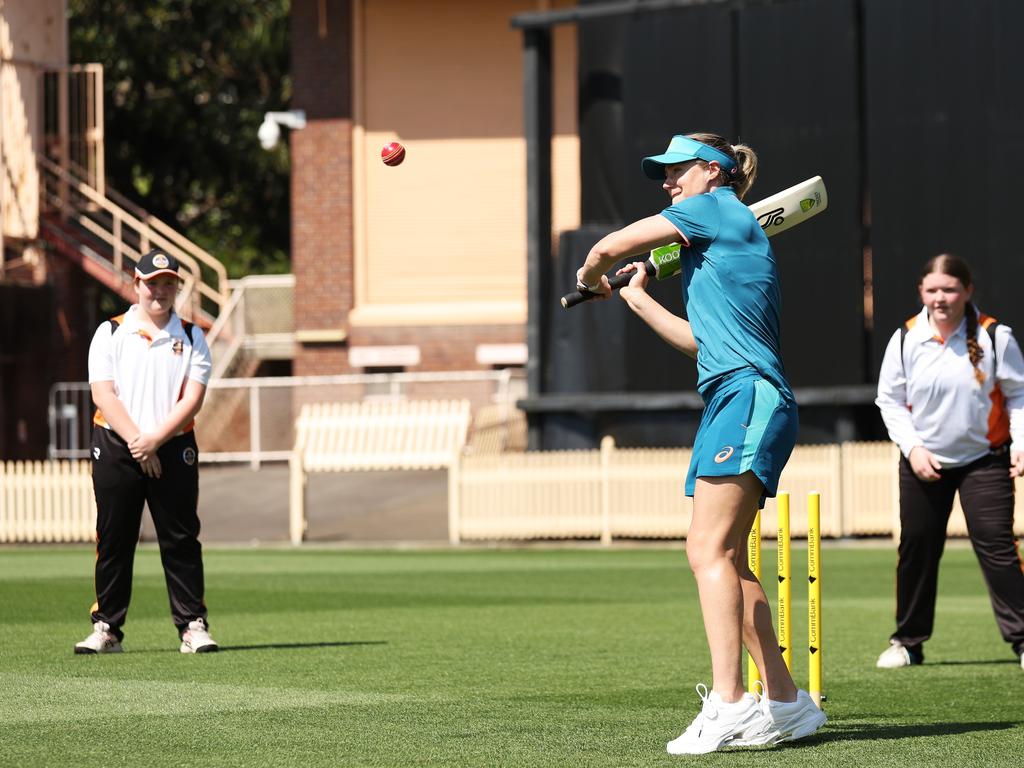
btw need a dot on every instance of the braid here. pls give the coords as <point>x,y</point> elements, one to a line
<point>974,350</point>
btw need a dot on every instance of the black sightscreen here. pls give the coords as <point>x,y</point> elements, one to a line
<point>678,78</point>
<point>782,78</point>
<point>798,108</point>
<point>911,110</point>
<point>602,346</point>
<point>946,150</point>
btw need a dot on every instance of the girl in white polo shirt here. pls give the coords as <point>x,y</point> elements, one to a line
<point>148,373</point>
<point>951,393</point>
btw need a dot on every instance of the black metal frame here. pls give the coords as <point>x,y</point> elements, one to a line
<point>537,110</point>
<point>537,90</point>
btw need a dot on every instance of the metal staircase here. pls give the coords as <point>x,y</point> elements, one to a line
<point>82,220</point>
<point>107,239</point>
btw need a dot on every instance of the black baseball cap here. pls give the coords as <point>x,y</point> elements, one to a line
<point>156,262</point>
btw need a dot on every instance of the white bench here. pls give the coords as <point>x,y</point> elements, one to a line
<point>372,435</point>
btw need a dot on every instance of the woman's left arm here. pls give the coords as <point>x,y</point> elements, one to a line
<point>1010,377</point>
<point>638,237</point>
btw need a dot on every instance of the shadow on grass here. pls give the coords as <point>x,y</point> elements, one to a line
<point>273,646</point>
<point>958,662</point>
<point>288,646</point>
<point>868,732</point>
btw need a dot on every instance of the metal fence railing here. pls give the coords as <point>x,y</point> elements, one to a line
<point>257,323</point>
<point>253,419</point>
<point>70,417</point>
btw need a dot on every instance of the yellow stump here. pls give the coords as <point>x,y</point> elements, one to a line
<point>785,582</point>
<point>814,636</point>
<point>754,561</point>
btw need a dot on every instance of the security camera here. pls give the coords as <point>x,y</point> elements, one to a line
<point>270,129</point>
<point>268,133</point>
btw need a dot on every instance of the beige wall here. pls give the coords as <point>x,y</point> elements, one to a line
<point>32,35</point>
<point>442,238</point>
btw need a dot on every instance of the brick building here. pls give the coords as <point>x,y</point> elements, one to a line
<point>420,266</point>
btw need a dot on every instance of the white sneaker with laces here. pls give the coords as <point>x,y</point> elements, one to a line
<point>717,725</point>
<point>196,638</point>
<point>102,640</point>
<point>895,656</point>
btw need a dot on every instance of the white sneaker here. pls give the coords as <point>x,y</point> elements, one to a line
<point>794,720</point>
<point>102,640</point>
<point>898,655</point>
<point>764,730</point>
<point>718,724</point>
<point>196,639</point>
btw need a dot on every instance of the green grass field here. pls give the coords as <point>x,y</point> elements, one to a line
<point>533,657</point>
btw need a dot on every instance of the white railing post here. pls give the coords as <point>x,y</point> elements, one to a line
<point>454,498</point>
<point>607,447</point>
<point>296,497</point>
<point>118,245</point>
<point>255,446</point>
<point>297,480</point>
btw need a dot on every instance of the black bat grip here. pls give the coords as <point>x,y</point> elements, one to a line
<point>570,300</point>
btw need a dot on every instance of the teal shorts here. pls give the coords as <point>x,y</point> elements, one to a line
<point>748,425</point>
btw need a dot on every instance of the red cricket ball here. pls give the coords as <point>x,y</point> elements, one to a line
<point>392,153</point>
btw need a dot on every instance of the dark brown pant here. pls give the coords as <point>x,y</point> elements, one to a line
<point>986,495</point>
<point>122,489</point>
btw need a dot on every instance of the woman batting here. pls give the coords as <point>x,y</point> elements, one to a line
<point>747,431</point>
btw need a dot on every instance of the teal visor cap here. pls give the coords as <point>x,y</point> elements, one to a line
<point>683,149</point>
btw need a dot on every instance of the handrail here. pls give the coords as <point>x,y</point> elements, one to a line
<point>225,315</point>
<point>172,234</point>
<point>224,362</point>
<point>147,234</point>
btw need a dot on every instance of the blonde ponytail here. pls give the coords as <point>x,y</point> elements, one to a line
<point>746,162</point>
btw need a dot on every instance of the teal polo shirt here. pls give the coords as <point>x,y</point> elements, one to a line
<point>730,289</point>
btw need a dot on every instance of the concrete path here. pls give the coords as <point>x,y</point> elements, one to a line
<point>240,505</point>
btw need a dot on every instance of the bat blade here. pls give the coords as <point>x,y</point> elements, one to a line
<point>791,206</point>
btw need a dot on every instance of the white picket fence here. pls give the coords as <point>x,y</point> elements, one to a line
<point>46,501</point>
<point>638,493</point>
<point>605,494</point>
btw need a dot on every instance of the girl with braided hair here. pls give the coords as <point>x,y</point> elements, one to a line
<point>951,394</point>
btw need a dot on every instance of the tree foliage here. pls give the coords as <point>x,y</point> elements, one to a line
<point>186,85</point>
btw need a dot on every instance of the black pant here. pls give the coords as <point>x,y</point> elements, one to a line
<point>121,490</point>
<point>986,495</point>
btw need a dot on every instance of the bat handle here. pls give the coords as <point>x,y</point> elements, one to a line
<point>616,281</point>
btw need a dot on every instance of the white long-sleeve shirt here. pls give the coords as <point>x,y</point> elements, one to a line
<point>929,395</point>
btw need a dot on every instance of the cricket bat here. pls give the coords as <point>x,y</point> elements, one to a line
<point>775,214</point>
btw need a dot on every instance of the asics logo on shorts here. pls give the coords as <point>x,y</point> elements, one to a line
<point>723,455</point>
